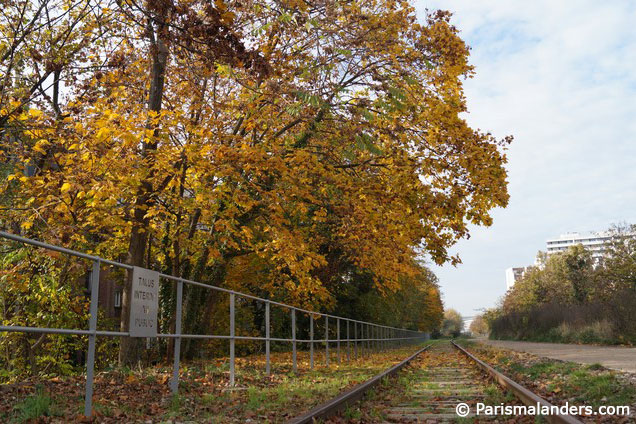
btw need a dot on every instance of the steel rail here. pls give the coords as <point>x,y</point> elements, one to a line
<point>526,396</point>
<point>333,406</point>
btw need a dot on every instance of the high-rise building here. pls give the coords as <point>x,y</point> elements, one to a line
<point>596,243</point>
<point>514,274</point>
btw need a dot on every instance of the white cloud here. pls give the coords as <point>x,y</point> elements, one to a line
<point>560,77</point>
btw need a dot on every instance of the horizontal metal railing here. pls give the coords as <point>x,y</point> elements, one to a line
<point>383,336</point>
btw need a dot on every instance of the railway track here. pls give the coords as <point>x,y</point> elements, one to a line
<point>440,378</point>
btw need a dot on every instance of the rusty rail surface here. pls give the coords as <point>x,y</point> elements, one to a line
<point>333,406</point>
<point>526,396</point>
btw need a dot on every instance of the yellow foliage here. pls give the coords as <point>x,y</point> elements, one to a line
<point>345,149</point>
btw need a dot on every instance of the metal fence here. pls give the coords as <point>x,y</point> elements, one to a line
<point>359,334</point>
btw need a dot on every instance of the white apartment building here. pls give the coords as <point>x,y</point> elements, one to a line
<point>596,243</point>
<point>513,275</point>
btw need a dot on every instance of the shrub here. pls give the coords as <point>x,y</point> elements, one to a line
<point>610,321</point>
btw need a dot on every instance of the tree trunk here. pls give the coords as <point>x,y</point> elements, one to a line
<point>130,348</point>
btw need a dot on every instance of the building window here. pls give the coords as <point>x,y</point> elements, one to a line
<point>118,299</point>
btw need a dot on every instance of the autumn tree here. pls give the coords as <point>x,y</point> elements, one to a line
<point>564,278</point>
<point>479,326</point>
<point>617,270</point>
<point>571,297</point>
<point>453,323</point>
<point>415,305</point>
<point>316,139</point>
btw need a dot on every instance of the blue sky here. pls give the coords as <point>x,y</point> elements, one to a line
<point>560,76</point>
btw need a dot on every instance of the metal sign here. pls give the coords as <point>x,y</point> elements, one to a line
<point>144,303</point>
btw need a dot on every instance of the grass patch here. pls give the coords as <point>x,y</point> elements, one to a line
<point>35,406</point>
<point>590,384</point>
<point>205,395</point>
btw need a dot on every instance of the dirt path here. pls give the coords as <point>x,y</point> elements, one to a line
<point>618,358</point>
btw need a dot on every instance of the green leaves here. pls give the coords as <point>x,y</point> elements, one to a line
<point>310,99</point>
<point>366,142</point>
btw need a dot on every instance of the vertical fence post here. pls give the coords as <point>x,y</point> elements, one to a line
<point>373,338</point>
<point>174,384</point>
<point>348,344</point>
<point>327,340</point>
<point>92,326</point>
<point>363,340</point>
<point>293,318</point>
<point>386,336</point>
<point>376,332</point>
<point>355,339</point>
<point>382,337</point>
<point>232,330</point>
<point>373,346</point>
<point>311,341</point>
<point>338,346</point>
<point>376,344</point>
<point>267,365</point>
<point>360,342</point>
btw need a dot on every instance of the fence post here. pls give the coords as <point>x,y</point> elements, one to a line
<point>373,346</point>
<point>355,339</point>
<point>311,341</point>
<point>267,365</point>
<point>174,384</point>
<point>382,338</point>
<point>232,329</point>
<point>293,317</point>
<point>386,337</point>
<point>363,340</point>
<point>92,326</point>
<point>348,344</point>
<point>338,331</point>
<point>326,340</point>
<point>376,343</point>
<point>373,338</point>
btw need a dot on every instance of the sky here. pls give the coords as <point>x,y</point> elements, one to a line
<point>560,76</point>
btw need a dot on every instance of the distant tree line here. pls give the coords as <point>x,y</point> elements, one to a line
<point>570,297</point>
